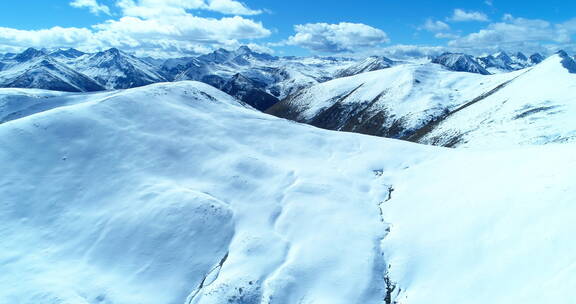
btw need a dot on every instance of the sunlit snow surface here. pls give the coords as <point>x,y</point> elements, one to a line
<point>177,193</point>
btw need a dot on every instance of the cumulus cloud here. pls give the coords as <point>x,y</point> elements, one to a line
<point>53,37</point>
<point>157,8</point>
<point>446,36</point>
<point>149,26</point>
<point>435,26</point>
<point>185,28</point>
<point>517,31</point>
<point>337,38</point>
<point>403,51</point>
<point>461,15</point>
<point>94,7</point>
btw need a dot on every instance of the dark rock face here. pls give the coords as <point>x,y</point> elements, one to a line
<point>361,118</point>
<point>536,58</point>
<point>567,62</point>
<point>250,91</point>
<point>521,56</point>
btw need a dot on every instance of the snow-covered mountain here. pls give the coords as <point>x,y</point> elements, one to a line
<point>64,54</point>
<point>501,62</point>
<point>417,102</point>
<point>35,70</point>
<point>394,102</point>
<point>534,107</point>
<point>72,70</point>
<point>372,63</point>
<point>115,69</point>
<point>281,75</point>
<point>178,193</point>
<point>28,54</point>
<point>267,78</point>
<point>460,63</point>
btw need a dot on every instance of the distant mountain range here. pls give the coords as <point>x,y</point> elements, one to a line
<point>256,78</point>
<point>259,79</point>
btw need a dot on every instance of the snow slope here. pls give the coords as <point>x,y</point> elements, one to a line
<point>427,104</point>
<point>178,193</point>
<point>537,107</point>
<point>141,196</point>
<point>393,102</point>
<point>485,227</point>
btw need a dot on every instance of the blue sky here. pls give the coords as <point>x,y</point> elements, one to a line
<point>294,27</point>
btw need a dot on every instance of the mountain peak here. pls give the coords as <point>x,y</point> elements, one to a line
<point>536,58</point>
<point>221,51</point>
<point>460,62</point>
<point>113,51</point>
<point>562,53</point>
<point>244,50</point>
<point>567,61</point>
<point>69,53</point>
<point>521,56</point>
<point>28,54</point>
<point>504,57</point>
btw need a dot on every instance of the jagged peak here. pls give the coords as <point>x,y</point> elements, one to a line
<point>521,56</point>
<point>562,53</point>
<point>113,51</point>
<point>460,62</point>
<point>536,58</point>
<point>244,50</point>
<point>567,62</point>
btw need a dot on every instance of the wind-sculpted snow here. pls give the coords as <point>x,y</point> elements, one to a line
<point>178,193</point>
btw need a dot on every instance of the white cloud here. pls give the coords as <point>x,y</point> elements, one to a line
<point>517,31</point>
<point>489,2</point>
<point>231,7</point>
<point>337,38</point>
<point>435,26</point>
<point>53,37</point>
<point>150,27</point>
<point>185,28</point>
<point>461,15</point>
<point>157,8</point>
<point>94,7</point>
<point>446,36</point>
<point>411,51</point>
